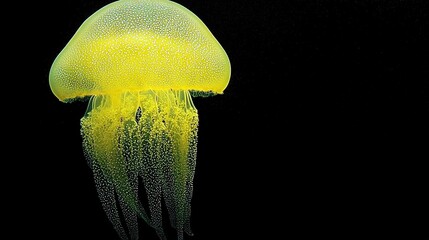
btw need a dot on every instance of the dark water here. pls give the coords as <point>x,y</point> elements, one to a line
<point>323,131</point>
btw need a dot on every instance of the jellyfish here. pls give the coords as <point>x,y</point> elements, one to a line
<point>139,63</point>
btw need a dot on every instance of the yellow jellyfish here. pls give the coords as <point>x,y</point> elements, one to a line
<point>139,62</point>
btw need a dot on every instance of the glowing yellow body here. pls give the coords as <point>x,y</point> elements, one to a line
<point>138,60</point>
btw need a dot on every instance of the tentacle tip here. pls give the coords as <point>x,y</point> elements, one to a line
<point>180,235</point>
<point>189,233</point>
<point>161,234</point>
<point>162,237</point>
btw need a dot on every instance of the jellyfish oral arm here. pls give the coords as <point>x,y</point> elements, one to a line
<point>149,135</point>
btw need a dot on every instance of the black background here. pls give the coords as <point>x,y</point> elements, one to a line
<point>322,132</point>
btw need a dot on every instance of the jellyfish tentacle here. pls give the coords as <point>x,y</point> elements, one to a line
<point>181,121</point>
<point>103,134</point>
<point>161,148</point>
<point>130,217</point>
<point>104,183</point>
<point>151,164</point>
<point>192,160</point>
<point>135,150</point>
<point>106,194</point>
<point>128,143</point>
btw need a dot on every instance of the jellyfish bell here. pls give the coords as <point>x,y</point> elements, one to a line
<point>139,61</point>
<point>140,45</point>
